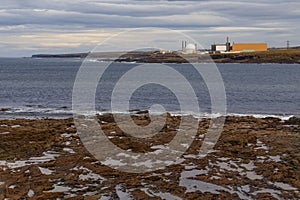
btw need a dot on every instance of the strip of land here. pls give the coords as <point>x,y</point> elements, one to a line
<point>284,56</point>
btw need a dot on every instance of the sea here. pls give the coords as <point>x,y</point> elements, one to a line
<point>43,88</point>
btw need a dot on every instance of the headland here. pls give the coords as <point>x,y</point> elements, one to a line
<point>284,56</point>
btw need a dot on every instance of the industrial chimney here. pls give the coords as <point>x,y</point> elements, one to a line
<point>228,46</point>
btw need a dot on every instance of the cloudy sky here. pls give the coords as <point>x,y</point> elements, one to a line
<point>56,26</point>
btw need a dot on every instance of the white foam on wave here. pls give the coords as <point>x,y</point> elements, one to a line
<point>35,112</point>
<point>261,116</point>
<point>204,115</point>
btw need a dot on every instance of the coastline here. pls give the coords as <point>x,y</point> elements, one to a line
<point>253,158</point>
<point>288,56</point>
<point>33,113</point>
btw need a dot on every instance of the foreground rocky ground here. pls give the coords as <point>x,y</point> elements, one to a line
<point>253,159</point>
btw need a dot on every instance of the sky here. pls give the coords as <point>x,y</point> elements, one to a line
<point>59,26</point>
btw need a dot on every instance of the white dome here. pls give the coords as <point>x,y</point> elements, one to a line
<point>191,47</point>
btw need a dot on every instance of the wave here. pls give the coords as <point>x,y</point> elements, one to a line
<point>36,112</point>
<point>201,115</point>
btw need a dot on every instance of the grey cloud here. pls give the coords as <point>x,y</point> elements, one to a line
<point>138,13</point>
<point>56,17</point>
<point>268,20</point>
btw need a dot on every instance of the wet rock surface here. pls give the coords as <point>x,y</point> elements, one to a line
<point>253,159</point>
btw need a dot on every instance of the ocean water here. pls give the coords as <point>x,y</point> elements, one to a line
<point>43,88</point>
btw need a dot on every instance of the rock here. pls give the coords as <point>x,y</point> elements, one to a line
<point>259,147</point>
<point>293,121</point>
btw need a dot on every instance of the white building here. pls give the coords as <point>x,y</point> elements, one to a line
<point>189,48</point>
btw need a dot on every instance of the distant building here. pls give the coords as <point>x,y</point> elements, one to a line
<point>249,47</point>
<point>189,48</point>
<point>163,51</point>
<point>238,47</point>
<point>221,47</point>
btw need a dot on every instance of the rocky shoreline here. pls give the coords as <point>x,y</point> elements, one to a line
<point>253,159</point>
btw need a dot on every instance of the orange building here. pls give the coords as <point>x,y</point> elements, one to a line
<point>250,47</point>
